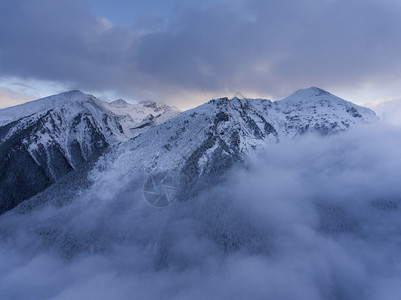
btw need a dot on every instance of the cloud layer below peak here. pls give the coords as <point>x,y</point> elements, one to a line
<point>320,222</point>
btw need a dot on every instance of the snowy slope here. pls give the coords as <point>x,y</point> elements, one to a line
<point>138,118</point>
<point>317,109</point>
<point>202,143</point>
<point>42,140</point>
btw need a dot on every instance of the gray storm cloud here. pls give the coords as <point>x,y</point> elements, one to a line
<point>265,47</point>
<point>310,218</point>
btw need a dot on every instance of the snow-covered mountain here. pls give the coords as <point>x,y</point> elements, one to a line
<point>42,140</point>
<point>61,132</point>
<point>138,118</point>
<point>202,143</point>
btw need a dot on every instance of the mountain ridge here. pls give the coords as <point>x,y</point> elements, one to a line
<point>207,140</point>
<point>198,145</point>
<point>43,140</point>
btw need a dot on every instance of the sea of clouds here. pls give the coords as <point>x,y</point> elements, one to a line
<point>310,218</point>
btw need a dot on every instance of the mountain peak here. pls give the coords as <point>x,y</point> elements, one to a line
<point>119,102</point>
<point>150,103</point>
<point>157,106</point>
<point>70,98</point>
<point>73,95</point>
<point>315,90</point>
<point>311,94</point>
<point>73,92</point>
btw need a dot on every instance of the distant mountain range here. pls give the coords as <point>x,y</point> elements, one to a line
<point>56,146</point>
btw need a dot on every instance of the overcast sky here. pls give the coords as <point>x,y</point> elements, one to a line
<point>186,52</point>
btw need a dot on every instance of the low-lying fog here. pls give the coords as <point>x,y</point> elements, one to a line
<point>311,218</point>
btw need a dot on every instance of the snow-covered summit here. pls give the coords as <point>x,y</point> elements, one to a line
<point>316,101</point>
<point>69,98</point>
<point>310,94</point>
<point>118,103</point>
<point>140,110</point>
<point>137,118</point>
<point>314,95</point>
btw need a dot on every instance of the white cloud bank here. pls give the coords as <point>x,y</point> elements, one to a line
<point>312,218</point>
